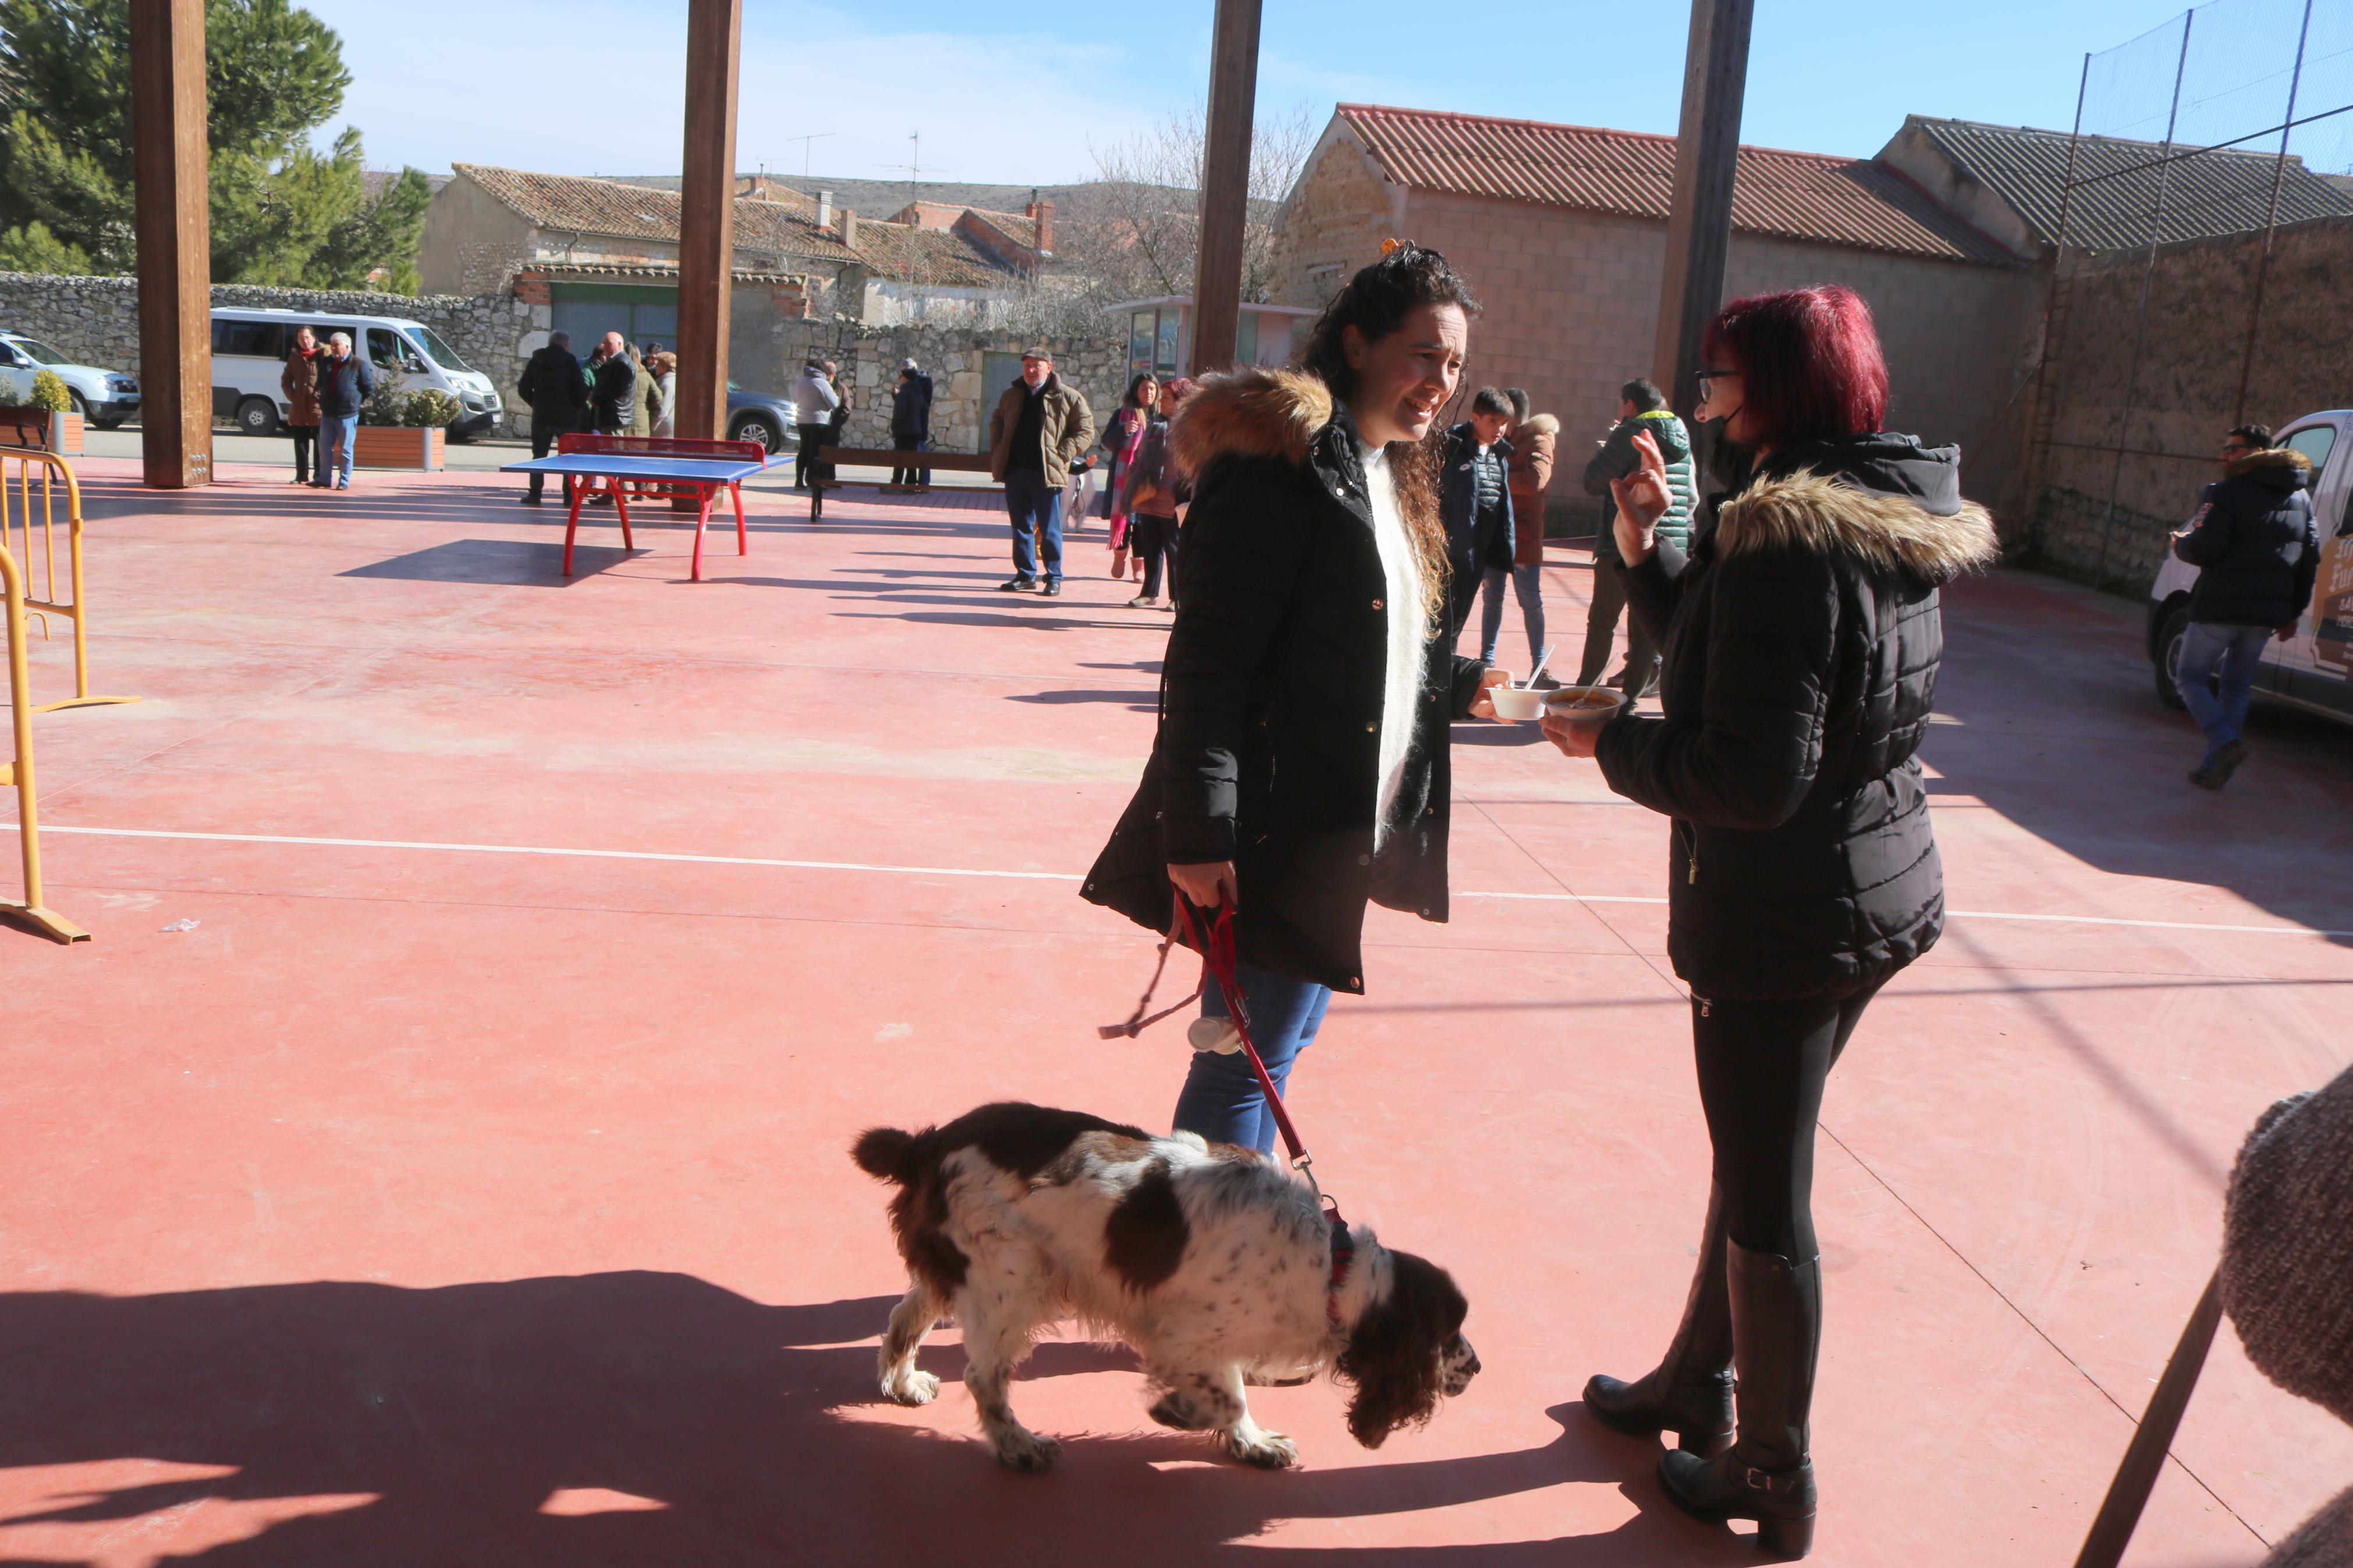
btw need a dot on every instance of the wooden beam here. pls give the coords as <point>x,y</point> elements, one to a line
<point>706,249</point>
<point>1699,225</point>
<point>172,220</point>
<point>1225,186</point>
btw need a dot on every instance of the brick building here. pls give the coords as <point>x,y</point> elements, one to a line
<point>1561,231</point>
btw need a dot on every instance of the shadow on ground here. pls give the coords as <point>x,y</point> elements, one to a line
<point>748,1433</point>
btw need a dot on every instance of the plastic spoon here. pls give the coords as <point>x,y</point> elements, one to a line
<point>1542,659</point>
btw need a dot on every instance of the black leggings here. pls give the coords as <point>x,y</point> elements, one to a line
<point>1153,541</point>
<point>306,442</point>
<point>1762,1066</point>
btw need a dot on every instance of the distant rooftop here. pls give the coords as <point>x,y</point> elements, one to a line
<point>2217,192</point>
<point>1796,196</point>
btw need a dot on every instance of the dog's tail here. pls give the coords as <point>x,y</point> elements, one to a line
<point>882,1152</point>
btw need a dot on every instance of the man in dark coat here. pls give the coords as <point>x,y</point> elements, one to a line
<point>1474,497</point>
<point>553,387</point>
<point>910,421</point>
<point>346,381</point>
<point>616,398</point>
<point>2257,550</point>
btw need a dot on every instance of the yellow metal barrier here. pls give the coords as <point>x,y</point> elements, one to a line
<point>47,921</point>
<point>16,511</point>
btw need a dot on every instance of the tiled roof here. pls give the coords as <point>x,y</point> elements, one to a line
<point>1022,231</point>
<point>1796,196</point>
<point>575,204</point>
<point>900,252</point>
<point>2215,193</point>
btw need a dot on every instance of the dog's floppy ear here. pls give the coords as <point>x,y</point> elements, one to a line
<point>1393,1357</point>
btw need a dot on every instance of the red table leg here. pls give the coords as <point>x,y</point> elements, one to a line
<point>743,545</point>
<point>710,494</point>
<point>621,505</point>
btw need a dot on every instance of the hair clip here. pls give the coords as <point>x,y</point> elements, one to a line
<point>1390,246</point>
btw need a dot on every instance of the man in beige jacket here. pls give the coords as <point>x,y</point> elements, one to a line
<point>1040,427</point>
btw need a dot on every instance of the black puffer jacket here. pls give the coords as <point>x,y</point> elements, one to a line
<point>2253,542</point>
<point>1801,641</point>
<point>1268,747</point>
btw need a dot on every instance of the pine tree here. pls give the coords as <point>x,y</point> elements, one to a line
<point>281,211</point>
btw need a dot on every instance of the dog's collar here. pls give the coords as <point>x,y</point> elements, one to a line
<point>1344,1252</point>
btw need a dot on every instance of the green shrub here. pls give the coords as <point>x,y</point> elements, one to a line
<point>385,405</point>
<point>49,392</point>
<point>429,408</point>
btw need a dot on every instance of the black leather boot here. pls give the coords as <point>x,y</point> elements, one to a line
<point>1689,1393</point>
<point>1777,1337</point>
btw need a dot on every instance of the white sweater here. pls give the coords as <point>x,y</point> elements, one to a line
<point>1401,682</point>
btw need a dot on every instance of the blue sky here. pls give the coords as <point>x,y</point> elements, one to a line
<point>1018,94</point>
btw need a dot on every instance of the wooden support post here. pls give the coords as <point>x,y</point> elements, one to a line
<point>1225,186</point>
<point>1699,225</point>
<point>706,250</point>
<point>171,218</point>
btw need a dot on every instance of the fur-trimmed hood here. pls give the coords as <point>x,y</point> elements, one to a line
<point>1539,424</point>
<point>1250,412</point>
<point>1886,533</point>
<point>2279,467</point>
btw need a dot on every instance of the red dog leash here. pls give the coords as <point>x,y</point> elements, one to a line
<point>1212,936</point>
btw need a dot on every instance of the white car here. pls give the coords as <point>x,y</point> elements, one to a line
<point>2313,669</point>
<point>104,397</point>
<point>250,352</point>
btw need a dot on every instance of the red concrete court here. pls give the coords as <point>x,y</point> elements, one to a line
<point>469,1186</point>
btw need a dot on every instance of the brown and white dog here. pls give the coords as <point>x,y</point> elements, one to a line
<point>1216,1266</point>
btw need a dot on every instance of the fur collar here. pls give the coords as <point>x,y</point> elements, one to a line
<point>1539,424</point>
<point>1250,413</point>
<point>2269,458</point>
<point>1884,533</point>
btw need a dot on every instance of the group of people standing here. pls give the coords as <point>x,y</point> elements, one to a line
<point>1300,770</point>
<point>616,391</point>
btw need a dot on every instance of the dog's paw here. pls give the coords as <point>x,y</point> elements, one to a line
<point>911,1387</point>
<point>1267,1451</point>
<point>1022,1449</point>
<point>1177,1411</point>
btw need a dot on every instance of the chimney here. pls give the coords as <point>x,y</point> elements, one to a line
<point>1044,213</point>
<point>850,227</point>
<point>825,209</point>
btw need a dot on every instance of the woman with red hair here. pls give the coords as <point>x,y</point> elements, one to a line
<point>1801,638</point>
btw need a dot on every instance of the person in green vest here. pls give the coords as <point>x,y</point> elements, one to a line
<point>1641,407</point>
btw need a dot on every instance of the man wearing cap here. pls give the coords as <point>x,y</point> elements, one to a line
<point>1038,429</point>
<point>910,421</point>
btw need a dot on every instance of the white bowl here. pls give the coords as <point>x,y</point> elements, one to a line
<point>1584,704</point>
<point>1516,702</point>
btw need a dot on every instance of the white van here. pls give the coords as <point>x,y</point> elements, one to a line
<point>2313,669</point>
<point>249,354</point>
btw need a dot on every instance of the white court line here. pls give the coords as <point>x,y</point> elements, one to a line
<point>1024,876</point>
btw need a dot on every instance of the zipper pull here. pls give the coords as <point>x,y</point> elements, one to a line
<point>1693,878</point>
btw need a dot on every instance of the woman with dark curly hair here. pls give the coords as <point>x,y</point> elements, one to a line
<point>1802,639</point>
<point>1301,766</point>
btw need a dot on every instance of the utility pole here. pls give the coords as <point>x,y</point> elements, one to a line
<point>1225,186</point>
<point>1699,224</point>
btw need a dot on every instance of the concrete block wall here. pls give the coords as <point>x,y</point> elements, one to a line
<point>2102,513</point>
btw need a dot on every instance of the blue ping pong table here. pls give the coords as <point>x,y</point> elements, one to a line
<point>706,477</point>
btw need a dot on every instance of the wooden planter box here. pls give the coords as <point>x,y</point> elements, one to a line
<point>59,433</point>
<point>398,446</point>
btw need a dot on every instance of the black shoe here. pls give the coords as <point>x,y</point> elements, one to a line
<point>2203,777</point>
<point>1017,586</point>
<point>2226,762</point>
<point>528,498</point>
<point>1690,1392</point>
<point>1767,1476</point>
<point>1053,589</point>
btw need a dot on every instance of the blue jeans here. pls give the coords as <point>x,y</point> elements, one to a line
<point>1221,1100</point>
<point>336,433</point>
<point>1034,503</point>
<point>2233,652</point>
<point>1527,582</point>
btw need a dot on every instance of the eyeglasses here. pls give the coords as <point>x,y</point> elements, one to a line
<point>1707,378</point>
<point>2236,447</point>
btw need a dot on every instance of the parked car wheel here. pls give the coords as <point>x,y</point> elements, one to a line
<point>756,427</point>
<point>106,424</point>
<point>2168,658</point>
<point>257,416</point>
<point>80,406</point>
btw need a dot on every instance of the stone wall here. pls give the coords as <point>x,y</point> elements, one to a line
<point>1332,223</point>
<point>96,319</point>
<point>2107,519</point>
<point>953,357</point>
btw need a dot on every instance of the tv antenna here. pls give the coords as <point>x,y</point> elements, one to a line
<point>913,170</point>
<point>807,142</point>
